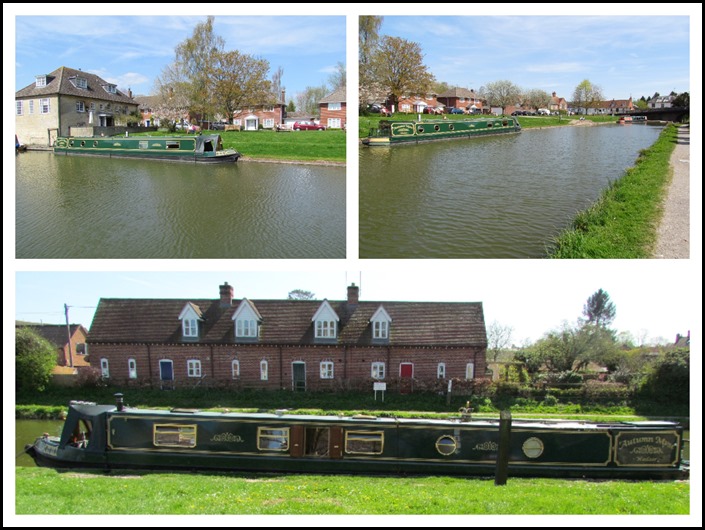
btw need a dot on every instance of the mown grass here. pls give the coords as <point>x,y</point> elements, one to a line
<point>327,146</point>
<point>623,223</point>
<point>47,491</point>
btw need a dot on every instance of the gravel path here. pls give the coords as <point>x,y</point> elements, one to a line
<point>673,239</point>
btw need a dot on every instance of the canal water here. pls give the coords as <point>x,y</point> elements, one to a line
<point>87,207</point>
<point>496,197</point>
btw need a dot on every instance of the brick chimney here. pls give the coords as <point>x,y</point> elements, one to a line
<point>283,97</point>
<point>353,294</point>
<point>226,295</point>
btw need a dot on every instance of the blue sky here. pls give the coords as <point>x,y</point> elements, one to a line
<point>624,55</point>
<point>131,51</point>
<point>532,298</point>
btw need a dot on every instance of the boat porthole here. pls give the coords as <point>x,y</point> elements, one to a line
<point>446,445</point>
<point>532,447</point>
<point>436,127</point>
<point>451,127</point>
<point>419,129</point>
<point>95,143</point>
<point>505,123</point>
<point>83,143</point>
<point>71,143</point>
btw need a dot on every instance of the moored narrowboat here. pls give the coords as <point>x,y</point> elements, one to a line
<point>206,148</point>
<point>117,437</point>
<point>625,120</point>
<point>390,132</point>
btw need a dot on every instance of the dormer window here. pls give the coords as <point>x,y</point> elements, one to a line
<point>325,322</point>
<point>110,89</point>
<point>41,81</point>
<point>190,317</point>
<point>80,82</point>
<point>380,323</point>
<point>247,320</point>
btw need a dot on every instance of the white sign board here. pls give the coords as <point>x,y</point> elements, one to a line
<point>379,386</point>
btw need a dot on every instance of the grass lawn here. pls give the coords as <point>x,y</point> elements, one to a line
<point>303,146</point>
<point>47,491</point>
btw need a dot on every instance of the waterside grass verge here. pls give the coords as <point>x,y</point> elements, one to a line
<point>623,223</point>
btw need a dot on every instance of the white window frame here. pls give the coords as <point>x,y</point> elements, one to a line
<point>132,368</point>
<point>80,106</point>
<point>31,106</point>
<point>470,371</point>
<point>441,371</point>
<point>327,370</point>
<point>40,81</point>
<point>18,107</point>
<point>336,105</point>
<point>190,327</point>
<point>235,367</point>
<point>268,123</point>
<point>193,368</point>
<point>335,123</point>
<point>378,371</point>
<point>245,327</point>
<point>326,329</point>
<point>44,106</point>
<point>380,329</point>
<point>81,82</point>
<point>104,368</point>
<point>263,370</point>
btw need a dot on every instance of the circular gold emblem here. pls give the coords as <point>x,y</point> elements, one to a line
<point>532,447</point>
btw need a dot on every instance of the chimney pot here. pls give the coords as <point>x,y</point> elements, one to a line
<point>226,295</point>
<point>353,294</point>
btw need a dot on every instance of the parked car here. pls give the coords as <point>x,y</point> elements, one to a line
<point>432,110</point>
<point>376,108</point>
<point>454,110</point>
<point>308,126</point>
<point>217,126</point>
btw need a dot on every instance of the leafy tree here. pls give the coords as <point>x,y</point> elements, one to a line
<point>669,381</point>
<point>398,67</point>
<point>682,100</point>
<point>35,358</point>
<point>368,41</point>
<point>300,294</point>
<point>501,93</point>
<point>291,107</point>
<point>240,80</point>
<point>587,95</point>
<point>499,337</point>
<point>537,98</point>
<point>599,310</point>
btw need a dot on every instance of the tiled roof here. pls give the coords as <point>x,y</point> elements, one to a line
<point>289,322</point>
<point>59,82</point>
<point>458,92</point>
<point>338,96</point>
<point>55,333</point>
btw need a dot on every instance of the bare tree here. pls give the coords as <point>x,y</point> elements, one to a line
<point>537,98</point>
<point>338,79</point>
<point>501,93</point>
<point>300,294</point>
<point>307,101</point>
<point>499,337</point>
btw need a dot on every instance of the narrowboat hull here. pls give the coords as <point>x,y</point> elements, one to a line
<point>412,132</point>
<point>102,437</point>
<point>193,149</point>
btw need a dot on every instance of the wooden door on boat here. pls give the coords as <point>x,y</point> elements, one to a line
<point>316,441</point>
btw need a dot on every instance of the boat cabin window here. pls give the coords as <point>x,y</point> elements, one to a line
<point>144,144</point>
<point>446,445</point>
<point>451,127</point>
<point>273,439</point>
<point>208,146</point>
<point>437,127</point>
<point>175,435</point>
<point>419,129</point>
<point>172,144</point>
<point>364,442</point>
<point>81,434</point>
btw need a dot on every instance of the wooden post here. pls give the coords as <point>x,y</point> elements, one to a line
<point>505,429</point>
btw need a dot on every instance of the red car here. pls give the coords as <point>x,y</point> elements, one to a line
<point>308,126</point>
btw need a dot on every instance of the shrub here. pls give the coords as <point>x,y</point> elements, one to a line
<point>35,358</point>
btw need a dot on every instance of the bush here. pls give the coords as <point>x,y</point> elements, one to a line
<point>669,382</point>
<point>35,358</point>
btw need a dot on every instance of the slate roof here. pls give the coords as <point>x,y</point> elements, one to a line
<point>458,92</point>
<point>289,322</point>
<point>338,96</point>
<point>59,82</point>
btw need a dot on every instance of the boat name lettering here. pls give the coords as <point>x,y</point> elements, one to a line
<point>647,450</point>
<point>227,437</point>
<point>653,440</point>
<point>49,449</point>
<point>486,446</point>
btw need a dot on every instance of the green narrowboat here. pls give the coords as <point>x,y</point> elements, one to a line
<point>118,437</point>
<point>390,132</point>
<point>206,148</point>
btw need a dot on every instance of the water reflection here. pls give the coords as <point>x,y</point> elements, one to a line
<point>494,197</point>
<point>84,207</point>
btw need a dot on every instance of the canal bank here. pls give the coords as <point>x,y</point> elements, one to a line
<point>674,231</point>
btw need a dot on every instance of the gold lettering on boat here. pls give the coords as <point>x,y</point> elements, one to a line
<point>227,437</point>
